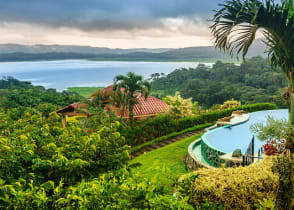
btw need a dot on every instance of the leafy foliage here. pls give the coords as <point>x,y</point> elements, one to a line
<point>236,188</point>
<point>132,85</point>
<point>284,167</point>
<point>179,107</point>
<point>235,26</point>
<point>15,93</point>
<point>251,82</point>
<point>39,146</point>
<point>273,129</point>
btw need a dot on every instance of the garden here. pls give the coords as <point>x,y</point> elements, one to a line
<point>87,164</point>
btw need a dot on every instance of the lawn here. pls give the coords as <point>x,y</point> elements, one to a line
<point>165,163</point>
<point>84,91</point>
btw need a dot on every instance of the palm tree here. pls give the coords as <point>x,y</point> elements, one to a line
<point>132,85</point>
<point>235,26</point>
<point>119,99</point>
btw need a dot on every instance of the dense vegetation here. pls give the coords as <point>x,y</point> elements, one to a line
<point>15,93</point>
<point>86,165</point>
<point>44,166</point>
<point>251,82</point>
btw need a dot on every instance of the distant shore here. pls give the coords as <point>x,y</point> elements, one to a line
<point>127,60</point>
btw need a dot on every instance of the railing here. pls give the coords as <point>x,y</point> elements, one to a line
<point>248,157</point>
<point>260,152</point>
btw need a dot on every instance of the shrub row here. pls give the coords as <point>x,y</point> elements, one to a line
<point>164,124</point>
<point>162,138</point>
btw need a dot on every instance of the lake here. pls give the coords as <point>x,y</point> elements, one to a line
<point>83,73</point>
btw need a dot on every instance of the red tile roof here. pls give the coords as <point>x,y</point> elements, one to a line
<point>149,106</point>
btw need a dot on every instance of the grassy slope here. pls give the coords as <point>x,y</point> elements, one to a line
<point>83,91</point>
<point>170,156</point>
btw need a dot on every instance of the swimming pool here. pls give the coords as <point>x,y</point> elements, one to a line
<point>222,140</point>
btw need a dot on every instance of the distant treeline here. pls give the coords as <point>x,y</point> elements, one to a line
<point>251,82</point>
<point>15,93</point>
<point>43,56</point>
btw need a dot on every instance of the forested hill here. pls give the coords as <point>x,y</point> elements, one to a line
<point>252,82</point>
<point>15,93</point>
<point>59,52</point>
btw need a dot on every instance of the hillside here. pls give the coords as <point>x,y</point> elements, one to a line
<point>12,52</point>
<point>251,82</point>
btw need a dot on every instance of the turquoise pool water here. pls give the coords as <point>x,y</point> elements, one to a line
<point>238,137</point>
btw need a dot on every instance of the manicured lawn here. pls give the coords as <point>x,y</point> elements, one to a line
<point>154,163</point>
<point>84,91</point>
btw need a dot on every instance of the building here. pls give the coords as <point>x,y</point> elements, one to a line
<point>148,107</point>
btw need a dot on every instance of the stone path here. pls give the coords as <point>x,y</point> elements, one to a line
<point>164,143</point>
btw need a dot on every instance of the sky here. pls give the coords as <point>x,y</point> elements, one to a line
<point>108,23</point>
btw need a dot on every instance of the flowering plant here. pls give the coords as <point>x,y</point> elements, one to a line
<point>273,147</point>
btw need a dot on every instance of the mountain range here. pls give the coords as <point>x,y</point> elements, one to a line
<point>17,52</point>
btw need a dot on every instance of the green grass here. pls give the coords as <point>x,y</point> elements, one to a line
<point>154,163</point>
<point>84,91</point>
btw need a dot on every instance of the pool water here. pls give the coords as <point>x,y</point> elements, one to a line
<point>226,140</point>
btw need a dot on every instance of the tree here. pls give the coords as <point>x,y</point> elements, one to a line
<point>133,85</point>
<point>179,107</point>
<point>196,108</point>
<point>235,26</point>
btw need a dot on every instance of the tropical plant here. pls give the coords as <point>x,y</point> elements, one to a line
<point>99,99</point>
<point>196,108</point>
<point>235,26</point>
<point>119,99</point>
<point>179,107</point>
<point>284,167</point>
<point>272,129</point>
<point>230,104</point>
<point>133,85</point>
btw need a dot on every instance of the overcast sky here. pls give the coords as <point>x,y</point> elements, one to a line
<point>107,23</point>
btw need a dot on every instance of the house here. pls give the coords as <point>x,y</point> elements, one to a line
<point>148,107</point>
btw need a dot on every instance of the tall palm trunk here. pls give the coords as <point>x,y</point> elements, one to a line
<point>131,115</point>
<point>291,111</point>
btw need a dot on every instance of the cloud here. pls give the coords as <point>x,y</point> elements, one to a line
<point>105,15</point>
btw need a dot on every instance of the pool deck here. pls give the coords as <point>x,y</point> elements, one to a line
<point>236,120</point>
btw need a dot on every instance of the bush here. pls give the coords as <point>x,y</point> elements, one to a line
<point>113,190</point>
<point>40,147</point>
<point>236,188</point>
<point>162,125</point>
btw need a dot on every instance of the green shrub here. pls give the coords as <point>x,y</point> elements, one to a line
<point>113,190</point>
<point>236,188</point>
<point>40,146</point>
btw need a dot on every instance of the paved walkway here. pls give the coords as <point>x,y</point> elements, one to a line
<point>164,143</point>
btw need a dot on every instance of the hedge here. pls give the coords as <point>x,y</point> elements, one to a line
<point>162,125</point>
<point>162,138</point>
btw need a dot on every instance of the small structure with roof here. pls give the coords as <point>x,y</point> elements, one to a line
<point>146,107</point>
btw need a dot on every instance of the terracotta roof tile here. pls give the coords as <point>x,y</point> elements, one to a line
<point>149,106</point>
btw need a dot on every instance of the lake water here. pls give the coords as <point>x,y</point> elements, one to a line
<point>71,73</point>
